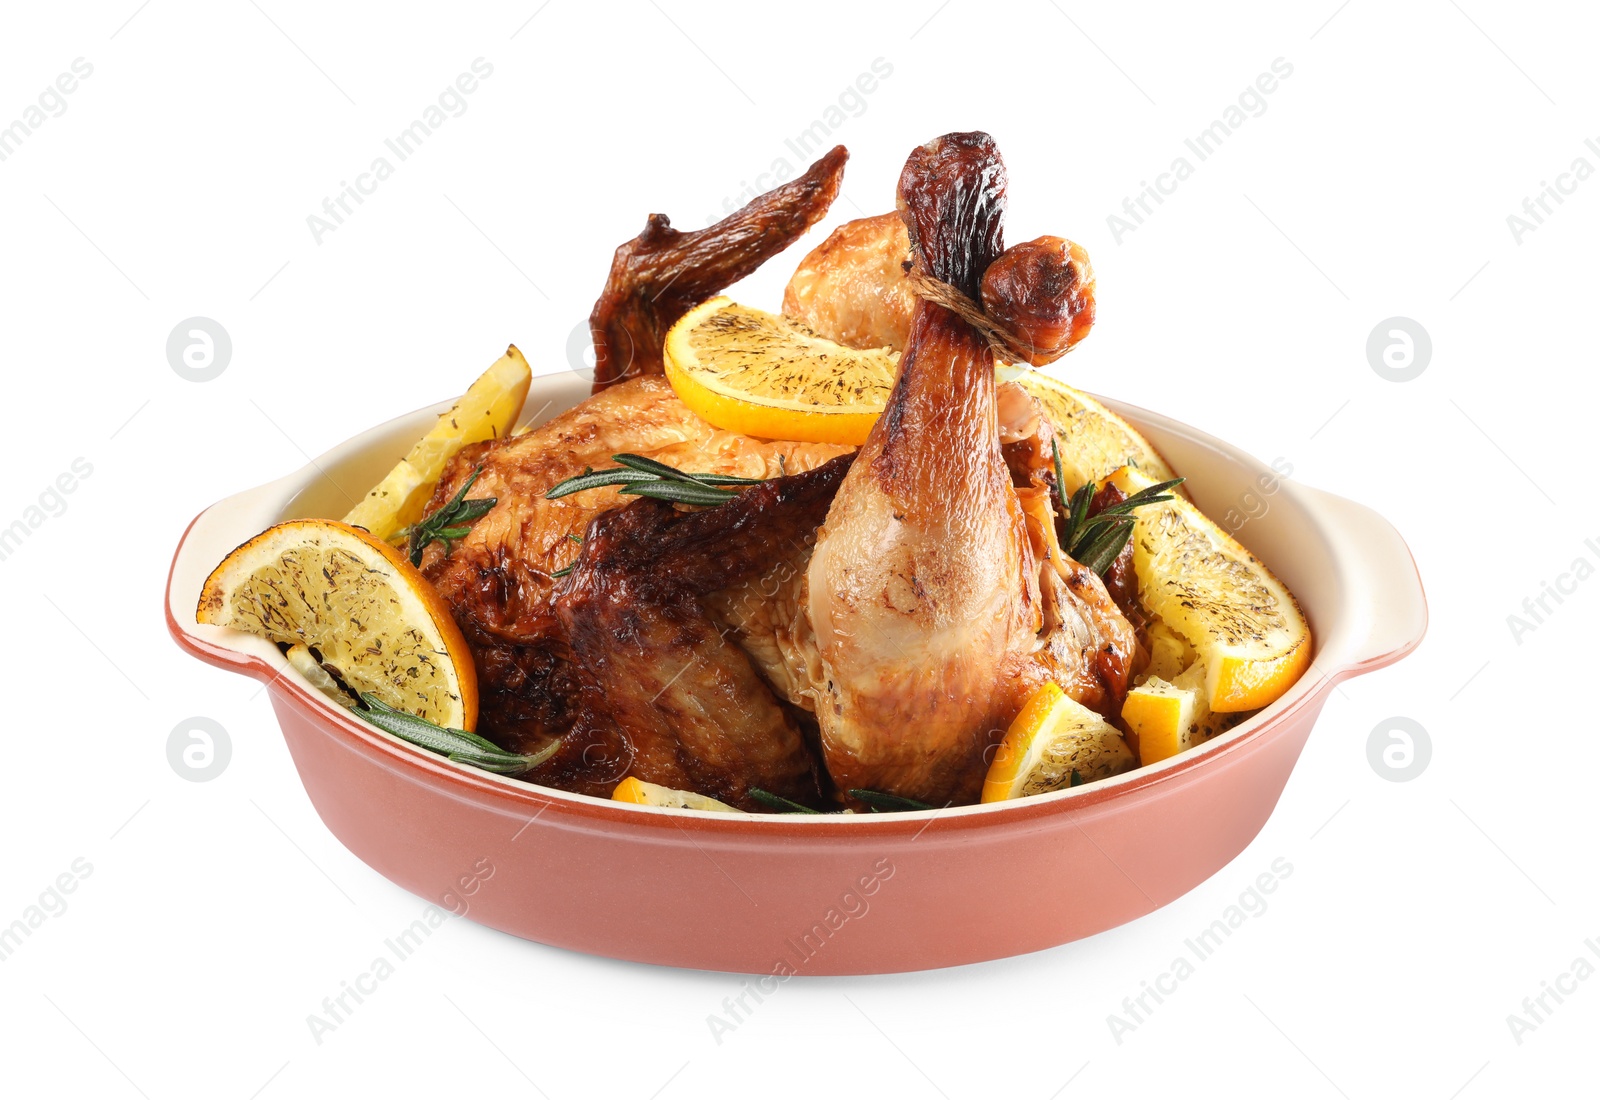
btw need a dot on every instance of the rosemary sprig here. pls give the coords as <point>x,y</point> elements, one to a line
<point>457,745</point>
<point>1099,548</point>
<point>640,476</point>
<point>595,479</point>
<point>1095,541</point>
<point>679,492</point>
<point>452,521</point>
<point>661,469</point>
<point>778,802</point>
<point>883,802</point>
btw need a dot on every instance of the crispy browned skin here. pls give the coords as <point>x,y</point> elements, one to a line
<point>692,708</point>
<point>497,580</point>
<point>662,273</point>
<point>932,618</point>
<point>853,288</point>
<point>1043,292</point>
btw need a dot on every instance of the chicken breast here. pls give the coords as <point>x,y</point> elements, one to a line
<point>499,578</point>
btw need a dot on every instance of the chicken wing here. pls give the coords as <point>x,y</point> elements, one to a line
<point>662,273</point>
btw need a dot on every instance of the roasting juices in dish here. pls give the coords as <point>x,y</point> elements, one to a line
<point>855,556</point>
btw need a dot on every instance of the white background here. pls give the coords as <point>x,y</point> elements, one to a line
<point>1377,183</point>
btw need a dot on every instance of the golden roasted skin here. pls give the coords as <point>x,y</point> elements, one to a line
<point>923,595</point>
<point>689,703</point>
<point>498,579</point>
<point>852,288</point>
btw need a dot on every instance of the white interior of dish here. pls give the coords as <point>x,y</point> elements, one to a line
<point>1339,559</point>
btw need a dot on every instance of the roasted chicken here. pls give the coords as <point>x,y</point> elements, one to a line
<point>660,665</point>
<point>869,620</point>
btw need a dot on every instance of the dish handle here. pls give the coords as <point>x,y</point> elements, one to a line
<point>211,535</point>
<point>1379,583</point>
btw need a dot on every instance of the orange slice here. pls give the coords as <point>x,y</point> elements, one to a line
<point>762,374</point>
<point>356,600</point>
<point>303,661</point>
<point>1053,739</point>
<point>748,371</point>
<point>1242,622</point>
<point>1092,440</point>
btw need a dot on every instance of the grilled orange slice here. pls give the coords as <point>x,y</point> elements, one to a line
<point>356,600</point>
<point>1050,742</point>
<point>1242,622</point>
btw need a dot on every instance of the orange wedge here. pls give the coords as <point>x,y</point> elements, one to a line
<point>373,618</point>
<point>1242,622</point>
<point>487,410</point>
<point>641,793</point>
<point>1160,717</point>
<point>1165,717</point>
<point>1053,740</point>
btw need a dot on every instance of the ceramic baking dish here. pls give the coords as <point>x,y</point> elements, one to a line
<point>831,894</point>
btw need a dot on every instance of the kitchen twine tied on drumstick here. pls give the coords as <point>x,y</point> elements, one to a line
<point>1007,344</point>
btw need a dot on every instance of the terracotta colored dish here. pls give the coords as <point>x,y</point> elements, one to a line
<point>826,894</point>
